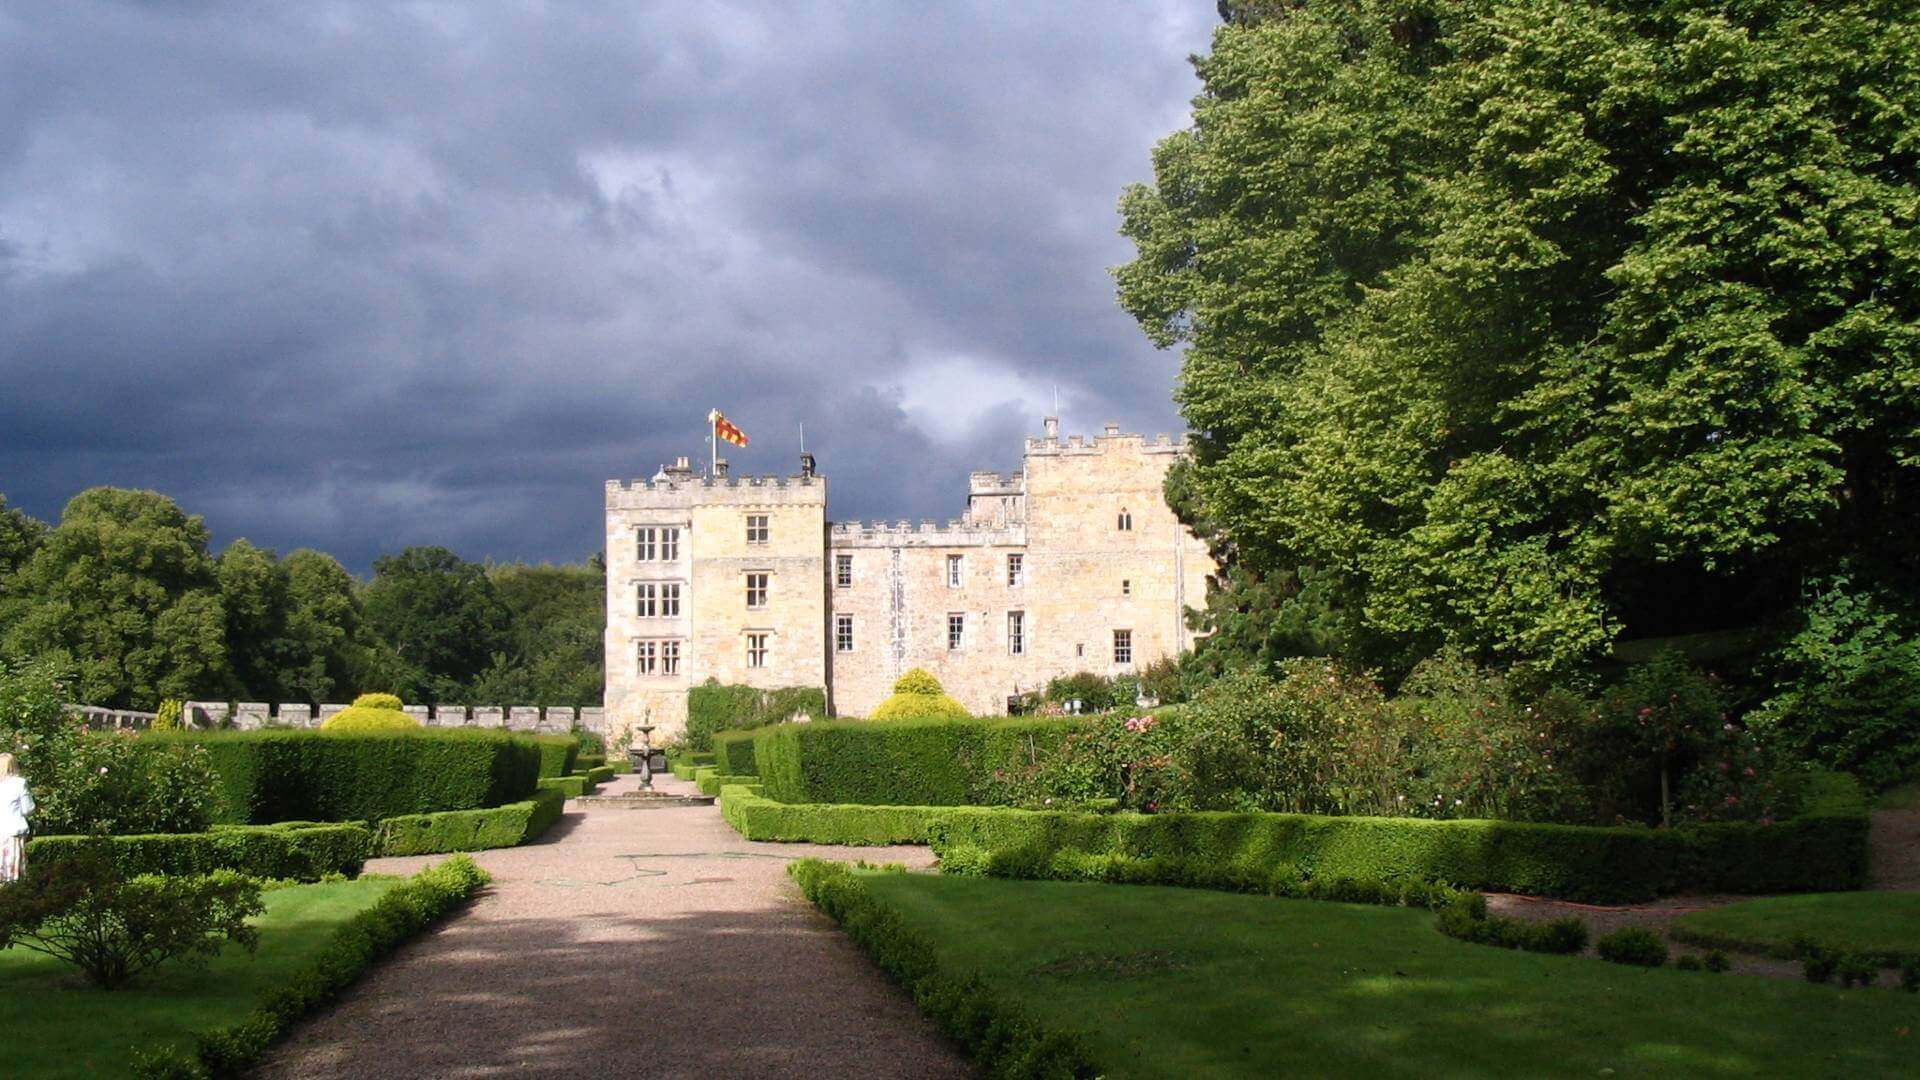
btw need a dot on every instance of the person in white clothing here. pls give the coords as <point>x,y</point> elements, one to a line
<point>15,805</point>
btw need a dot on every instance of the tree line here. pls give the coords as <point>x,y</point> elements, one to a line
<point>125,595</point>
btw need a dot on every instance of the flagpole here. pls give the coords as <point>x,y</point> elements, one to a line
<point>713,444</point>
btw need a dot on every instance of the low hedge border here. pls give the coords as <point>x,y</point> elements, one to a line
<point>1886,958</point>
<point>756,817</point>
<point>599,774</point>
<point>404,911</point>
<point>472,830</point>
<point>571,787</point>
<point>1823,850</point>
<point>299,851</point>
<point>734,752</point>
<point>712,783</point>
<point>1000,1036</point>
<point>894,762</point>
<point>559,754</point>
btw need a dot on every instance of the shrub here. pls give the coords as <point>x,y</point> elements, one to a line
<point>1466,918</point>
<point>404,911</point>
<point>272,776</point>
<point>1095,694</point>
<point>1632,945</point>
<point>113,782</point>
<point>907,762</point>
<point>299,852</point>
<point>917,695</point>
<point>85,911</point>
<point>1857,970</point>
<point>167,716</point>
<point>472,830</point>
<point>559,754</point>
<point>734,752</point>
<point>371,712</point>
<point>1910,976</point>
<point>1717,962</point>
<point>756,817</point>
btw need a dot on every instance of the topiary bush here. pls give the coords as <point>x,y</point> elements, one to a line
<point>371,712</point>
<point>917,695</point>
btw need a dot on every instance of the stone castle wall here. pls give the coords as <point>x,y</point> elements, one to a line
<point>251,715</point>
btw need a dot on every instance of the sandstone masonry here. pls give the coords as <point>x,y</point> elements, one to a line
<point>1074,563</point>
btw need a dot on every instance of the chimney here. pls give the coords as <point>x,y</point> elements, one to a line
<point>806,464</point>
<point>1052,424</point>
<point>1112,430</point>
<point>720,467</point>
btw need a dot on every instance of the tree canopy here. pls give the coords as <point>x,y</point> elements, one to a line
<point>1533,326</point>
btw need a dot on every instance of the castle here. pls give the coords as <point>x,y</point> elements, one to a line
<point>1072,564</point>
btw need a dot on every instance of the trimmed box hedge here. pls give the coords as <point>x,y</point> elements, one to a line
<point>735,753</point>
<point>711,782</point>
<point>405,910</point>
<point>559,754</point>
<point>569,787</point>
<point>999,1034</point>
<point>301,851</point>
<point>714,707</point>
<point>1825,849</point>
<point>472,830</point>
<point>897,762</point>
<point>756,817</point>
<point>272,776</point>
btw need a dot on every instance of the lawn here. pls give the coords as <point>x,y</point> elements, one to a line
<point>1883,924</point>
<point>52,1025</point>
<point>1186,982</point>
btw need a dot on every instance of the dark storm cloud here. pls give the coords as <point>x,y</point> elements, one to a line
<point>356,277</point>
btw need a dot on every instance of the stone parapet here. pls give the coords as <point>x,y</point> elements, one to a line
<point>957,532</point>
<point>253,715</point>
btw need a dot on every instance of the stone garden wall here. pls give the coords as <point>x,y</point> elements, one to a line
<point>249,715</point>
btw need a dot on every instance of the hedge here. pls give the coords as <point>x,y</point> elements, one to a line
<point>586,762</point>
<point>1825,849</point>
<point>734,752</point>
<point>898,762</point>
<point>1002,1038</point>
<point>599,774</point>
<point>569,787</point>
<point>756,817</point>
<point>301,851</point>
<point>714,707</point>
<point>271,776</point>
<point>711,781</point>
<point>402,912</point>
<point>472,830</point>
<point>559,754</point>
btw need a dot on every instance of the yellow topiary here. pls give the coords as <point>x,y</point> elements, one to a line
<point>371,712</point>
<point>917,695</point>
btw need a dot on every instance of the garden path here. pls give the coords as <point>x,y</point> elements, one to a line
<point>628,943</point>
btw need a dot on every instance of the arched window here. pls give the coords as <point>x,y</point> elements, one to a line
<point>1126,520</point>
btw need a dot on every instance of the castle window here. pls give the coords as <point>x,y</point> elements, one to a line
<point>756,528</point>
<point>1125,523</point>
<point>670,658</point>
<point>649,600</point>
<point>647,657</point>
<point>843,633</point>
<point>757,589</point>
<point>1126,586</point>
<point>1123,646</point>
<point>1016,633</point>
<point>656,543</point>
<point>843,571</point>
<point>956,571</point>
<point>670,600</point>
<point>956,630</point>
<point>1016,569</point>
<point>757,650</point>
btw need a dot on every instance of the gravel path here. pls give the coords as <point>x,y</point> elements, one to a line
<point>629,943</point>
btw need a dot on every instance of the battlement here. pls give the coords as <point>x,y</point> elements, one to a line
<point>670,484</point>
<point>990,482</point>
<point>663,492</point>
<point>956,532</point>
<point>1111,439</point>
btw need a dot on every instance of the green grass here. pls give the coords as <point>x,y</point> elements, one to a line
<point>1881,924</point>
<point>1182,982</point>
<point>53,1025</point>
<point>1904,797</point>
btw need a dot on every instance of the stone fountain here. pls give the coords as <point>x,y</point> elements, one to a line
<point>643,797</point>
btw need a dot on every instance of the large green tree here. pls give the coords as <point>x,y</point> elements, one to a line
<point>441,615</point>
<point>1530,326</point>
<point>123,594</point>
<point>556,627</point>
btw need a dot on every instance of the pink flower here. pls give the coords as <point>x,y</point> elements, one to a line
<point>1646,710</point>
<point>1748,770</point>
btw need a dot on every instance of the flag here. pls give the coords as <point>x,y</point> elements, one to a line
<point>724,429</point>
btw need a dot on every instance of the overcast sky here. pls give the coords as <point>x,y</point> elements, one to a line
<point>356,277</point>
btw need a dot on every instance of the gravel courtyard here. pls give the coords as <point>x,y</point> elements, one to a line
<point>628,943</point>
